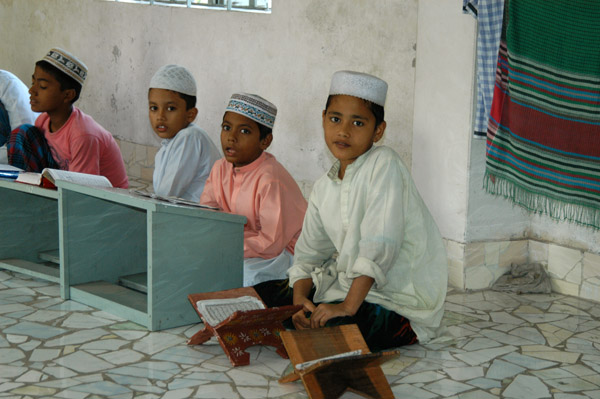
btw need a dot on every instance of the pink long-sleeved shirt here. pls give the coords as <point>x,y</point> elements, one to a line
<point>82,145</point>
<point>267,195</point>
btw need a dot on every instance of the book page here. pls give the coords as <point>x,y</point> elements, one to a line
<point>76,177</point>
<point>214,311</point>
<point>30,178</point>
<point>172,200</point>
<point>305,365</point>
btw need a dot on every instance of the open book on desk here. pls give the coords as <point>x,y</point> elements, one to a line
<point>172,200</point>
<point>48,178</point>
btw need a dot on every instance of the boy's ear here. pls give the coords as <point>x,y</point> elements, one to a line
<point>379,132</point>
<point>266,142</point>
<point>69,95</point>
<point>191,114</point>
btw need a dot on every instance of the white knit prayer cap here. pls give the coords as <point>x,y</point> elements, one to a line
<point>174,78</point>
<point>67,63</point>
<point>361,85</point>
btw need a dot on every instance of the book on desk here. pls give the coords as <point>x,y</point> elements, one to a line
<point>9,172</point>
<point>48,177</point>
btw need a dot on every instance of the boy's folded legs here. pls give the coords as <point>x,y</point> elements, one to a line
<point>28,149</point>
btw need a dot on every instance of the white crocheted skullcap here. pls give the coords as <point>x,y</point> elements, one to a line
<point>175,78</point>
<point>361,85</point>
<point>67,63</point>
<point>254,107</point>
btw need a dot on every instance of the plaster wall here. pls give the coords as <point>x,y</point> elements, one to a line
<point>484,234</point>
<point>287,56</point>
<point>443,113</point>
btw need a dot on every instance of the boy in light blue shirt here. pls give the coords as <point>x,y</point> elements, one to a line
<point>187,154</point>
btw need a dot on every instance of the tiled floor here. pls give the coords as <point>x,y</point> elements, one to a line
<point>529,346</point>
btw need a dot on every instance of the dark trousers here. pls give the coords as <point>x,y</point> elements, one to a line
<point>380,327</point>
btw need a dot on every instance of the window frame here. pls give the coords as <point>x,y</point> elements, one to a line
<point>228,5</point>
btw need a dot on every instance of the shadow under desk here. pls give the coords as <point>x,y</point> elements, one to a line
<point>29,230</point>
<point>139,258</point>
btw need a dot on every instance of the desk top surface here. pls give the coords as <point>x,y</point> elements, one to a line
<point>129,198</point>
<point>28,188</point>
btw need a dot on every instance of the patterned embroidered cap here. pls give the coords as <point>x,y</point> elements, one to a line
<point>361,85</point>
<point>67,63</point>
<point>254,107</point>
<point>175,78</point>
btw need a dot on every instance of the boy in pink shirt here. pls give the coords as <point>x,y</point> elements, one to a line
<point>63,136</point>
<point>249,181</point>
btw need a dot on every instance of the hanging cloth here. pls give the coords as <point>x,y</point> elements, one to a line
<point>489,27</point>
<point>543,138</point>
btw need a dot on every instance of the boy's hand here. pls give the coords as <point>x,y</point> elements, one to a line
<point>301,318</point>
<point>326,311</point>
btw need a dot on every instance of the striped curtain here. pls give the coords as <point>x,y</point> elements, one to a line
<point>543,137</point>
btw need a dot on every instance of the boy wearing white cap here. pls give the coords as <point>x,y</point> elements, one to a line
<point>63,136</point>
<point>370,252</point>
<point>187,154</point>
<point>249,181</point>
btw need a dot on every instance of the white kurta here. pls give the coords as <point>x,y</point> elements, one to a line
<point>14,95</point>
<point>183,163</point>
<point>374,223</point>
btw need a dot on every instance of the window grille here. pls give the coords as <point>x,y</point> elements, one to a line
<point>239,5</point>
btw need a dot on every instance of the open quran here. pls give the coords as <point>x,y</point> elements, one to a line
<point>333,360</point>
<point>239,319</point>
<point>214,311</point>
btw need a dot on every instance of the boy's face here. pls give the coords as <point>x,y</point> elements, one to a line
<point>240,139</point>
<point>45,94</point>
<point>349,127</point>
<point>167,113</point>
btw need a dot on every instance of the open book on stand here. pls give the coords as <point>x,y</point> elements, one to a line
<point>239,319</point>
<point>332,360</point>
<point>48,178</point>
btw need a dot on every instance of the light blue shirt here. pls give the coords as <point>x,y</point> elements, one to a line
<point>183,164</point>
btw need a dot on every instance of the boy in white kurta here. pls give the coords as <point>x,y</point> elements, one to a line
<point>187,154</point>
<point>14,108</point>
<point>370,252</point>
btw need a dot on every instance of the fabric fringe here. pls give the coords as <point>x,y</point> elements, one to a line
<point>541,204</point>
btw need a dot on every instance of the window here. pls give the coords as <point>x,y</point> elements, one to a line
<point>241,5</point>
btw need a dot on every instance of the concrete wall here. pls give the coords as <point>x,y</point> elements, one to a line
<point>287,57</point>
<point>425,49</point>
<point>442,115</point>
<point>484,234</point>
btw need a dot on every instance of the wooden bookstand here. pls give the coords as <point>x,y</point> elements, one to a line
<point>329,379</point>
<point>243,329</point>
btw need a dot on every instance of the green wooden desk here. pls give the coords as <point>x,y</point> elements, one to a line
<point>140,258</point>
<point>29,230</point>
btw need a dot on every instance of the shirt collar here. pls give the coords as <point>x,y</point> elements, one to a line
<point>350,169</point>
<point>253,165</point>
